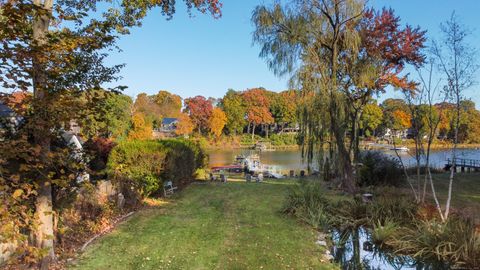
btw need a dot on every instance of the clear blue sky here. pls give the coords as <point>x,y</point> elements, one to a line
<point>203,56</point>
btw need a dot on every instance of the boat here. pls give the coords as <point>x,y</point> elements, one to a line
<point>401,149</point>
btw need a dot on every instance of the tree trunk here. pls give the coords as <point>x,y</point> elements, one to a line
<point>44,235</point>
<point>253,131</point>
<point>43,206</point>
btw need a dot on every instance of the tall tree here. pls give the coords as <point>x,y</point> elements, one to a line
<point>258,108</point>
<point>217,122</point>
<point>235,108</point>
<point>145,105</point>
<point>458,63</point>
<point>57,49</point>
<point>170,105</point>
<point>185,125</point>
<point>105,114</point>
<point>371,118</point>
<point>200,110</point>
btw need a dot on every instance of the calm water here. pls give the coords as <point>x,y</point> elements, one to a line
<point>353,255</point>
<point>291,159</point>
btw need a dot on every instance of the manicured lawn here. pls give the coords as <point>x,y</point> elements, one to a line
<point>211,226</point>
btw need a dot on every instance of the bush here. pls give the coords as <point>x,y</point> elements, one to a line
<point>379,169</point>
<point>141,167</point>
<point>307,202</point>
<point>283,139</point>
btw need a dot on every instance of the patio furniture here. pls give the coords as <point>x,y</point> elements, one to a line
<point>168,188</point>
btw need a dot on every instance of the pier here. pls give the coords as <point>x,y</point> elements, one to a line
<point>464,164</point>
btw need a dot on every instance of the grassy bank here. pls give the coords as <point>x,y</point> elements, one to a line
<point>465,193</point>
<point>211,226</point>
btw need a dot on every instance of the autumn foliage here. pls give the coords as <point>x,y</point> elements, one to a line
<point>217,122</point>
<point>141,129</point>
<point>185,125</point>
<point>200,110</point>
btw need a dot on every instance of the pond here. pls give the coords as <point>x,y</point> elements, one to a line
<point>292,160</point>
<point>358,252</point>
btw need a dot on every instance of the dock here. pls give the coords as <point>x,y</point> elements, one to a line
<point>464,164</point>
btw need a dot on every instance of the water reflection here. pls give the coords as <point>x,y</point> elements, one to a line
<point>353,250</point>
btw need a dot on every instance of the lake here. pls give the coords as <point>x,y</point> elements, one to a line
<point>292,160</point>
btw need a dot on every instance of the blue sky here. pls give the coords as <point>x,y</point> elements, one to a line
<point>204,56</point>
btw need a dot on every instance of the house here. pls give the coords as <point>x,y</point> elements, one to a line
<point>9,120</point>
<point>169,124</point>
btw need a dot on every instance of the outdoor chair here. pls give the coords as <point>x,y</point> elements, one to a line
<point>248,178</point>
<point>223,178</point>
<point>168,188</point>
<point>259,178</point>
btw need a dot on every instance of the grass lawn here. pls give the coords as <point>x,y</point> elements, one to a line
<point>465,192</point>
<point>211,226</point>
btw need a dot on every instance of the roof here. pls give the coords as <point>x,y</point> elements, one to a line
<point>5,111</point>
<point>169,121</point>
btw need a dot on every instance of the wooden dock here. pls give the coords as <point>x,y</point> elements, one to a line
<point>464,164</point>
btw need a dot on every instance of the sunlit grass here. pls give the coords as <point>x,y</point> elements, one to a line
<point>211,226</point>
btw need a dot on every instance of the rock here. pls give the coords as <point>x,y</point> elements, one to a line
<point>328,257</point>
<point>322,236</point>
<point>321,243</point>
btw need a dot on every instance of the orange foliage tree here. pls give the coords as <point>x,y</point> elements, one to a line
<point>401,120</point>
<point>217,121</point>
<point>141,129</point>
<point>185,125</point>
<point>258,111</point>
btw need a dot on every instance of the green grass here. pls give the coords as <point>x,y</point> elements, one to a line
<point>465,191</point>
<point>211,226</point>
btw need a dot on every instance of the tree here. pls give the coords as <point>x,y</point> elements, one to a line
<point>170,105</point>
<point>217,122</point>
<point>401,120</point>
<point>57,49</point>
<point>185,125</point>
<point>235,109</point>
<point>457,62</point>
<point>145,105</point>
<point>284,108</point>
<point>371,118</point>
<point>105,114</point>
<point>258,107</point>
<point>141,128</point>
<point>342,54</point>
<point>200,110</point>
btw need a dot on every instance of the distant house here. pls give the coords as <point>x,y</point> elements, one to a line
<point>169,124</point>
<point>9,120</point>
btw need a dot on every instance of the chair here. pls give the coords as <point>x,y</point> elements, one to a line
<point>223,178</point>
<point>260,178</point>
<point>168,188</point>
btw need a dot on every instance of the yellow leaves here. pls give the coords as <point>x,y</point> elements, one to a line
<point>142,130</point>
<point>185,125</point>
<point>17,193</point>
<point>217,121</point>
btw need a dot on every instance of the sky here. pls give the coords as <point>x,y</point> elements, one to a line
<point>201,55</point>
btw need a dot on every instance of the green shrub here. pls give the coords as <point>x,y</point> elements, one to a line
<point>283,139</point>
<point>143,166</point>
<point>379,169</point>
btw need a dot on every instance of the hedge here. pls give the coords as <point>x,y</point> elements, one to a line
<point>143,166</point>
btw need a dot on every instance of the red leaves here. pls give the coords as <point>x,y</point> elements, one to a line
<point>258,106</point>
<point>200,110</point>
<point>384,39</point>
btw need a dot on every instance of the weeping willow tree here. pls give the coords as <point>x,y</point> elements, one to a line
<point>320,34</point>
<point>339,54</point>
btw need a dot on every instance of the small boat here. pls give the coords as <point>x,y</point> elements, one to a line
<point>401,149</point>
